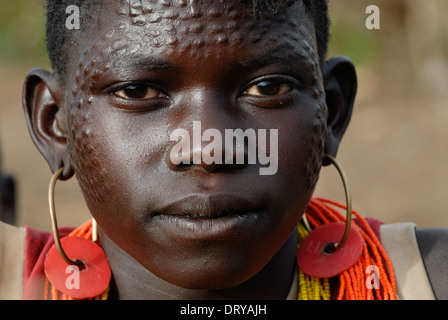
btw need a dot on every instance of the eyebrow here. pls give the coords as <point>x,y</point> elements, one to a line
<point>274,55</point>
<point>139,62</point>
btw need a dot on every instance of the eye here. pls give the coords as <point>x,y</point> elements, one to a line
<point>137,92</point>
<point>269,88</point>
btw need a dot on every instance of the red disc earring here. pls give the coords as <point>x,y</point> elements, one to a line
<point>87,273</point>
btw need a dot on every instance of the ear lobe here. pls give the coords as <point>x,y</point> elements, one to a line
<point>340,83</point>
<point>45,116</point>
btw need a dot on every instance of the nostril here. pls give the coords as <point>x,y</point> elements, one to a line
<point>183,166</point>
<point>211,150</point>
<point>177,161</point>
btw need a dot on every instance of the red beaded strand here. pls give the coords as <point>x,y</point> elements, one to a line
<point>352,282</point>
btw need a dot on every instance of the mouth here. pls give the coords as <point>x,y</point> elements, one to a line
<point>209,217</point>
<point>208,206</point>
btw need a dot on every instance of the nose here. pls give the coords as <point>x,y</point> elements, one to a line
<point>207,137</point>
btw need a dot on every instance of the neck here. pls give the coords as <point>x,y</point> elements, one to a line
<point>132,281</point>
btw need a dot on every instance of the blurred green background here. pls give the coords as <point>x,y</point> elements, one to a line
<point>22,26</point>
<point>394,151</point>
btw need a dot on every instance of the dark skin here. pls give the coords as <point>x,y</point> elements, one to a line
<point>192,231</point>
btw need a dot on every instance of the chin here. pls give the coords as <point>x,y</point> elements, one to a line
<point>211,279</point>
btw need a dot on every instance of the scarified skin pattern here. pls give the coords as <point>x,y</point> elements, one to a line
<point>81,132</point>
<point>169,27</point>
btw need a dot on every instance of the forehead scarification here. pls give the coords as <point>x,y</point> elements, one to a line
<point>217,17</point>
<point>221,24</point>
<point>197,28</point>
<point>141,10</point>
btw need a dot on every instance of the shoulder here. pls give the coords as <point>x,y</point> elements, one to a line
<point>420,259</point>
<point>12,255</point>
<point>433,245</point>
<point>400,242</point>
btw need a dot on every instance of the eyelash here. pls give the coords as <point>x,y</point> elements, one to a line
<point>281,83</point>
<point>283,86</point>
<point>147,88</point>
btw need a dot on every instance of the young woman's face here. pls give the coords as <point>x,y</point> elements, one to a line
<point>140,73</point>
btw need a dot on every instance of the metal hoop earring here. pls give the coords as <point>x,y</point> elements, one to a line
<point>348,199</point>
<point>320,254</point>
<point>54,222</point>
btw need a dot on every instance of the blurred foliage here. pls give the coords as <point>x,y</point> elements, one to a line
<point>22,32</point>
<point>349,37</point>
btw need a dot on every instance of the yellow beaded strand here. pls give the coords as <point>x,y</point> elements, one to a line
<point>311,288</point>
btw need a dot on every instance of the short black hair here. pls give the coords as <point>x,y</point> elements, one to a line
<point>58,39</point>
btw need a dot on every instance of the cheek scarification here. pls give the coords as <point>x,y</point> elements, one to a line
<point>83,143</point>
<point>316,152</point>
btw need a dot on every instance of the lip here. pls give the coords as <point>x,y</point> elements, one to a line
<point>209,217</point>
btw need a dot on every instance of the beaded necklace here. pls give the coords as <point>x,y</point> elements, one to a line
<point>352,282</point>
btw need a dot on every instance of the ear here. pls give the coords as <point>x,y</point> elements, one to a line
<point>340,83</point>
<point>42,100</point>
